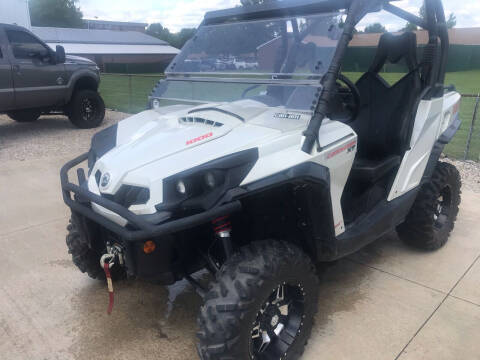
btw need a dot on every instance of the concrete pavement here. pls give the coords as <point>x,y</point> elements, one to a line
<point>385,302</point>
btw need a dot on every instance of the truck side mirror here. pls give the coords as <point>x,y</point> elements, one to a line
<point>60,54</point>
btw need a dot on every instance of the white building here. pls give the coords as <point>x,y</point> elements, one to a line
<point>15,12</point>
<point>112,50</point>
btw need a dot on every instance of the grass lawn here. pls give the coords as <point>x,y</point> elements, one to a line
<point>116,90</point>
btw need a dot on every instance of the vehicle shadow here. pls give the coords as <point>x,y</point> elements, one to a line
<point>148,319</point>
<point>47,123</point>
<point>51,123</point>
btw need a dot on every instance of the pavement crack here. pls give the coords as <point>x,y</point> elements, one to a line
<point>438,307</point>
<point>32,226</point>
<point>397,276</point>
<point>465,300</point>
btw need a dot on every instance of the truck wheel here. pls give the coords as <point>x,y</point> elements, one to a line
<point>85,255</point>
<point>433,215</point>
<point>24,115</point>
<point>86,109</point>
<point>261,305</point>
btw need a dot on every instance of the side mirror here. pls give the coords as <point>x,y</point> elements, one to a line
<point>60,54</point>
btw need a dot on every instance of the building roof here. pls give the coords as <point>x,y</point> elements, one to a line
<point>116,49</point>
<point>119,23</point>
<point>87,36</point>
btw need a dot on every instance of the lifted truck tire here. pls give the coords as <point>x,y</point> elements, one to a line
<point>265,286</point>
<point>86,109</point>
<point>84,255</point>
<point>433,215</point>
<point>24,116</point>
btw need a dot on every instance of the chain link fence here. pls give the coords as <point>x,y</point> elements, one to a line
<point>129,93</point>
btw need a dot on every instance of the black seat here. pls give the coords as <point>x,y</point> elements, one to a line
<point>386,115</point>
<point>373,170</point>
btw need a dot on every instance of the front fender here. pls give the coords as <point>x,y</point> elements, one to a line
<point>78,75</point>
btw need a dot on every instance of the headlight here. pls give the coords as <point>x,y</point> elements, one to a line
<point>155,103</point>
<point>181,187</point>
<point>210,179</point>
<point>203,186</point>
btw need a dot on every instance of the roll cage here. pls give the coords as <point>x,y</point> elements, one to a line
<point>435,56</point>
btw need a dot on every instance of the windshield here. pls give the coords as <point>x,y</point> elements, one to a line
<point>277,62</point>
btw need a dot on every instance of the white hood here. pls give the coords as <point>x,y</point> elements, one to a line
<point>154,145</point>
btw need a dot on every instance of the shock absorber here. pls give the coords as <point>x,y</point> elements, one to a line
<point>222,228</point>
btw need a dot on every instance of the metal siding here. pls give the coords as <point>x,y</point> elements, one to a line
<point>86,36</point>
<point>105,49</point>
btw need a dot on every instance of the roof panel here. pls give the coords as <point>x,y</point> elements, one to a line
<point>87,36</point>
<point>112,49</point>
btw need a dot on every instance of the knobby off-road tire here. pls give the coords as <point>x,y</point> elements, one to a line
<point>24,116</point>
<point>242,303</point>
<point>86,109</point>
<point>84,255</point>
<point>433,215</point>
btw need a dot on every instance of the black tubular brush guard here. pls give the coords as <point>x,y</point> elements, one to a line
<point>142,229</point>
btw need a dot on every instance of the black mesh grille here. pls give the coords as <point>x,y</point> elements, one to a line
<point>129,195</point>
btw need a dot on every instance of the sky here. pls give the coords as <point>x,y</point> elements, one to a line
<point>177,14</point>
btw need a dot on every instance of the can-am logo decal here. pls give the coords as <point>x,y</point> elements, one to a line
<point>200,138</point>
<point>350,147</point>
<point>287,116</point>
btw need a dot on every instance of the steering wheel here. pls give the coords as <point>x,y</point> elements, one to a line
<point>347,100</point>
<point>247,90</point>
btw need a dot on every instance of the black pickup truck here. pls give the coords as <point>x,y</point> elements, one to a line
<point>36,80</point>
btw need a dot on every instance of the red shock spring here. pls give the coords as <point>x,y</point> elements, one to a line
<point>222,225</point>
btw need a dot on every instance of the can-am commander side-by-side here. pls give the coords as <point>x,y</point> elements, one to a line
<point>259,174</point>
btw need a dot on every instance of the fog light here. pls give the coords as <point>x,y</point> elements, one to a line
<point>156,103</point>
<point>149,247</point>
<point>181,187</point>
<point>210,180</point>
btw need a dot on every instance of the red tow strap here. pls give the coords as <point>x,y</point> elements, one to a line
<point>106,268</point>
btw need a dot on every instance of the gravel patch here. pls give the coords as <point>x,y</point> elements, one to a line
<point>50,136</point>
<point>470,172</point>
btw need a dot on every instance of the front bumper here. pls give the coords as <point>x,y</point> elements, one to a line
<point>138,228</point>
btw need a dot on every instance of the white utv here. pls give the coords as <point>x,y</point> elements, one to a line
<point>259,176</point>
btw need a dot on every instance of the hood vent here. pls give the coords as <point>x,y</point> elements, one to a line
<point>199,120</point>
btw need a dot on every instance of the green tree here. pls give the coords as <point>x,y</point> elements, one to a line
<point>180,38</point>
<point>375,28</point>
<point>175,39</point>
<point>451,21</point>
<point>55,13</point>
<point>422,12</point>
<point>410,27</point>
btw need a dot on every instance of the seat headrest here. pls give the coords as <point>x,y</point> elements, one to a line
<point>394,48</point>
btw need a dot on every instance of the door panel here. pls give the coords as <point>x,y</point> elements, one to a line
<point>427,123</point>
<point>38,82</point>
<point>7,98</point>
